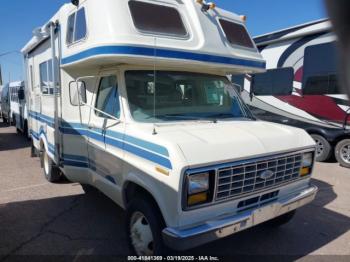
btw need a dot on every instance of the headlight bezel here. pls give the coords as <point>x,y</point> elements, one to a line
<point>211,175</point>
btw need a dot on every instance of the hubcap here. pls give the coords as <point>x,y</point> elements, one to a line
<point>319,147</point>
<point>46,163</point>
<point>141,235</point>
<point>345,153</point>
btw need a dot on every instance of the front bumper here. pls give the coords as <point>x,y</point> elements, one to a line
<point>183,239</point>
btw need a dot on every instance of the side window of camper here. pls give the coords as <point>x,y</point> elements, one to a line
<point>157,19</point>
<point>46,83</point>
<point>236,34</point>
<point>76,26</point>
<point>108,97</point>
<point>70,28</point>
<point>320,70</point>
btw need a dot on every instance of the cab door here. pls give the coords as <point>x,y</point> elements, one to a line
<point>105,131</point>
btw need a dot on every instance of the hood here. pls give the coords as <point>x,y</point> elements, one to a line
<point>207,143</point>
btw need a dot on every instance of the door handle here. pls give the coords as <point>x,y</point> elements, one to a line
<point>92,126</point>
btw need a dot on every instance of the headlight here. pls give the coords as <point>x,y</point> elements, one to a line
<point>199,188</point>
<point>198,183</point>
<point>306,164</point>
<point>308,159</point>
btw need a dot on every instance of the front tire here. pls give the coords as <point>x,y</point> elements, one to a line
<point>342,153</point>
<point>52,173</point>
<point>323,148</point>
<point>144,225</point>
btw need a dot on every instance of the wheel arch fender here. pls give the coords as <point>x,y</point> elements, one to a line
<point>135,182</point>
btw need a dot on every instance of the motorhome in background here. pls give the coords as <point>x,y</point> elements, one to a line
<point>14,106</point>
<point>5,104</point>
<point>18,107</point>
<point>317,104</point>
<point>132,97</point>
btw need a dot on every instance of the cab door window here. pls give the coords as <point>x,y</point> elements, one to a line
<point>108,98</point>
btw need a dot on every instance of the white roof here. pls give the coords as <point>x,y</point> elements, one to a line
<point>112,38</point>
<point>16,83</point>
<point>310,28</point>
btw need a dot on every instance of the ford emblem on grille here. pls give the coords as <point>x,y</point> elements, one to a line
<point>266,174</point>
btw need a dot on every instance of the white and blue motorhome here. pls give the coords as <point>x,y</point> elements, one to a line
<point>14,107</point>
<point>132,97</point>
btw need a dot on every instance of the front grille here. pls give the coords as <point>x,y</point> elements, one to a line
<point>236,180</point>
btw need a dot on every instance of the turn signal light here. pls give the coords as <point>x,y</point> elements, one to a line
<point>305,171</point>
<point>197,199</point>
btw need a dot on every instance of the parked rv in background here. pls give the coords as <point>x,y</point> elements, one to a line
<point>5,104</point>
<point>19,107</point>
<point>316,104</point>
<point>14,106</point>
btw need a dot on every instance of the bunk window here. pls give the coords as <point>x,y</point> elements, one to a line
<point>157,19</point>
<point>76,28</point>
<point>108,97</point>
<point>320,70</point>
<point>46,84</point>
<point>70,29</point>
<point>236,34</point>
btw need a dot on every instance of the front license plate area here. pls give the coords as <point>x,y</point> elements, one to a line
<point>264,213</point>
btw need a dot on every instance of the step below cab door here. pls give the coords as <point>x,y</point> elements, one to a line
<point>105,146</point>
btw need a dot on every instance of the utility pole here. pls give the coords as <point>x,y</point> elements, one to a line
<point>0,76</point>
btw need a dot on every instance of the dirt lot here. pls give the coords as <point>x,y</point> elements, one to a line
<point>38,218</point>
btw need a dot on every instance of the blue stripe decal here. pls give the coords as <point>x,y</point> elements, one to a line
<point>36,136</point>
<point>44,119</point>
<point>68,162</point>
<point>144,149</point>
<point>164,53</point>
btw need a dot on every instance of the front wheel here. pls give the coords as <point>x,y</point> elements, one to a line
<point>342,153</point>
<point>323,148</point>
<point>144,227</point>
<point>52,173</point>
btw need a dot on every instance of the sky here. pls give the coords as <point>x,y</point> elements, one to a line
<point>18,18</point>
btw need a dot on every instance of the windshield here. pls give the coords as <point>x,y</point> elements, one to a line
<point>181,96</point>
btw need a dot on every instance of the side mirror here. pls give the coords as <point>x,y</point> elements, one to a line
<point>275,82</point>
<point>21,95</point>
<point>77,93</point>
<point>238,82</point>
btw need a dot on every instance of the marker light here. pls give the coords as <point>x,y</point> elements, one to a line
<point>243,18</point>
<point>162,171</point>
<point>206,6</point>
<point>212,6</point>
